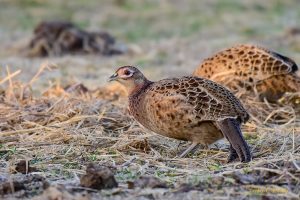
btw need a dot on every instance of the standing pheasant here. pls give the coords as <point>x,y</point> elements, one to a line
<point>253,68</point>
<point>187,108</point>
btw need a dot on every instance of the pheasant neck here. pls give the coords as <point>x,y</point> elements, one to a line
<point>138,87</point>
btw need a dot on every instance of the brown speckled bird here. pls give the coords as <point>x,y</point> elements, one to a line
<point>256,69</point>
<point>187,108</point>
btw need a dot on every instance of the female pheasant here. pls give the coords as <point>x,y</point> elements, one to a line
<point>187,108</point>
<point>254,68</point>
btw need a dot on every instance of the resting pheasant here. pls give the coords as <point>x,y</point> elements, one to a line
<point>188,108</point>
<point>253,68</point>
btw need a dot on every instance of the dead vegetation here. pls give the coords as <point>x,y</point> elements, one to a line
<point>98,177</point>
<point>61,130</point>
<point>56,38</point>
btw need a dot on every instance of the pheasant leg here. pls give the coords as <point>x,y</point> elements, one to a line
<point>193,147</point>
<point>232,154</point>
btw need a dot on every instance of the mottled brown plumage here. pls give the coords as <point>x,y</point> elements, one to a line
<point>254,68</point>
<point>186,108</point>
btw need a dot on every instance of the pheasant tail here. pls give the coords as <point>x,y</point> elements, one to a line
<point>231,130</point>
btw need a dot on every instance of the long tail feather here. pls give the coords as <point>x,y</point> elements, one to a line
<point>231,130</point>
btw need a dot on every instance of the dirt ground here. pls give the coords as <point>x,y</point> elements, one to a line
<point>56,131</point>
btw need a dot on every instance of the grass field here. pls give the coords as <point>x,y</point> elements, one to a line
<point>59,132</point>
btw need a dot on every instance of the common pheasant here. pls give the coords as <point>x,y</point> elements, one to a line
<point>187,108</point>
<point>255,69</point>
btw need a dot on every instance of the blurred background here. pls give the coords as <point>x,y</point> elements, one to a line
<point>163,37</point>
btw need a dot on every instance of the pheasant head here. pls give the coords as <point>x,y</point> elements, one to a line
<point>130,77</point>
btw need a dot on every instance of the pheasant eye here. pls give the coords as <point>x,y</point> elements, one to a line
<point>127,72</point>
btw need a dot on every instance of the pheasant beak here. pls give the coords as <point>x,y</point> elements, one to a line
<point>113,77</point>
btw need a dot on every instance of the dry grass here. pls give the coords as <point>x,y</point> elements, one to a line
<point>61,129</point>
